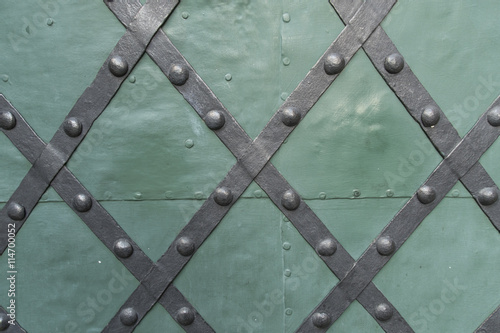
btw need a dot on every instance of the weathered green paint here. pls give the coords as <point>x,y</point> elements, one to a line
<point>358,136</point>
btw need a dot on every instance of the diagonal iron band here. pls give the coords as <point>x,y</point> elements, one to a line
<point>421,107</point>
<point>491,324</point>
<point>87,109</point>
<point>255,157</point>
<point>96,217</point>
<point>461,159</point>
<point>201,98</point>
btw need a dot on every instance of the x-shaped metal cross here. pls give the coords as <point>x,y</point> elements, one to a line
<point>253,164</point>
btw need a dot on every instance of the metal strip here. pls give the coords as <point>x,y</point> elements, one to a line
<point>461,159</point>
<point>191,90</point>
<point>491,324</point>
<point>5,326</point>
<point>99,221</point>
<point>416,99</point>
<point>87,109</point>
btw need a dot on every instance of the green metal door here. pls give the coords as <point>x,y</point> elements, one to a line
<point>249,166</point>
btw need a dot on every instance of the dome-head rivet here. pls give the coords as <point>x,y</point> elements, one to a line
<point>128,316</point>
<point>4,321</point>
<point>430,116</point>
<point>178,74</point>
<point>118,66</point>
<point>290,200</point>
<point>215,120</point>
<point>82,203</point>
<point>223,196</point>
<point>185,246</point>
<point>72,127</point>
<point>326,247</point>
<point>385,245</point>
<point>493,116</point>
<point>426,194</point>
<point>383,312</point>
<point>334,64</point>
<point>394,63</point>
<point>7,120</point>
<point>321,319</point>
<point>487,196</point>
<point>123,248</point>
<point>16,211</point>
<point>185,316</point>
<point>290,117</point>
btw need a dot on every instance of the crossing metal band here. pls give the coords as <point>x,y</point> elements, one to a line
<point>143,34</point>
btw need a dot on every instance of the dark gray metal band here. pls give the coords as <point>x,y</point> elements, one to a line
<point>203,100</point>
<point>491,324</point>
<point>5,326</point>
<point>99,221</point>
<point>461,159</point>
<point>416,99</point>
<point>87,109</point>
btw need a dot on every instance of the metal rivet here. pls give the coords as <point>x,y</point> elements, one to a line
<point>228,77</point>
<point>82,203</point>
<point>494,116</point>
<point>290,117</point>
<point>356,193</point>
<point>7,120</point>
<point>383,312</point>
<point>132,79</point>
<point>322,195</point>
<point>334,64</point>
<point>321,320</point>
<point>5,78</point>
<point>284,96</point>
<point>123,248</point>
<point>426,194</point>
<point>287,246</point>
<point>385,245</point>
<point>4,321</point>
<point>185,316</point>
<point>326,247</point>
<point>223,196</point>
<point>118,66</point>
<point>287,272</point>
<point>288,312</point>
<point>185,15</point>
<point>389,193</point>
<point>128,316</point>
<point>286,17</point>
<point>455,193</point>
<point>394,63</point>
<point>257,193</point>
<point>487,196</point>
<point>178,74</point>
<point>430,116</point>
<point>290,200</point>
<point>72,127</point>
<point>286,61</point>
<point>50,22</point>
<point>137,195</point>
<point>189,143</point>
<point>185,246</point>
<point>16,211</point>
<point>215,120</point>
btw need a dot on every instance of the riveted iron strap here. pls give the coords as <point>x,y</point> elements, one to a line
<point>96,218</point>
<point>210,214</point>
<point>202,99</point>
<point>87,109</point>
<point>463,157</point>
<point>416,99</point>
<point>491,324</point>
<point>7,327</point>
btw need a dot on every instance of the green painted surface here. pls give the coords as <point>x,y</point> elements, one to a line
<point>136,160</point>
